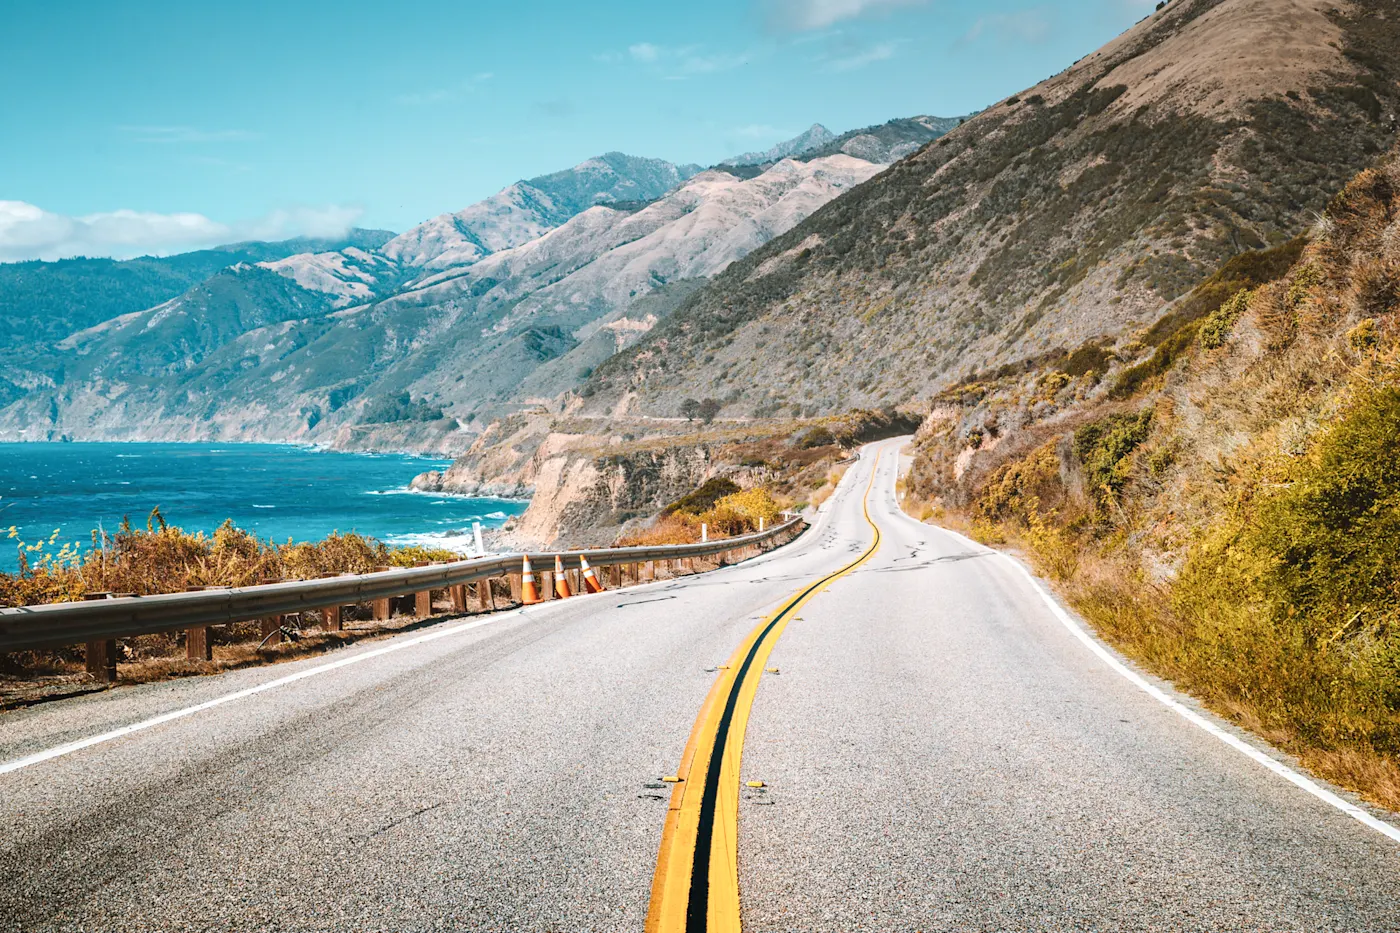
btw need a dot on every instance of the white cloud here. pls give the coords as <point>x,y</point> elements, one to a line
<point>469,87</point>
<point>30,232</point>
<point>184,134</point>
<point>875,53</point>
<point>676,62</point>
<point>761,131</point>
<point>801,15</point>
<point>1026,26</point>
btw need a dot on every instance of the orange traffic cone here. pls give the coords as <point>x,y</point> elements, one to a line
<point>590,576</point>
<point>561,582</point>
<point>529,590</point>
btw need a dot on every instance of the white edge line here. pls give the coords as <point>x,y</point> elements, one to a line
<point>78,745</point>
<point>144,724</point>
<point>1161,696</point>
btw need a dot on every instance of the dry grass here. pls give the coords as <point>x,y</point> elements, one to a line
<point>162,558</point>
<point>827,489</point>
<point>1236,529</point>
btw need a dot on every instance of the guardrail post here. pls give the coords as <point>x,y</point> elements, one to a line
<point>423,599</point>
<point>459,597</point>
<point>546,584</point>
<point>272,630</point>
<point>383,606</point>
<point>515,585</point>
<point>484,600</point>
<point>649,571</point>
<point>197,647</point>
<point>100,658</point>
<point>330,615</point>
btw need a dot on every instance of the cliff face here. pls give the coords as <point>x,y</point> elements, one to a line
<point>582,488</point>
<point>582,499</point>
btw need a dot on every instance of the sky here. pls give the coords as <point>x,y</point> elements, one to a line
<point>147,127</point>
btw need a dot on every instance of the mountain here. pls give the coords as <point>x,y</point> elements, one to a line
<point>46,301</point>
<point>815,137</point>
<point>1078,212</point>
<point>321,346</point>
<point>527,209</point>
<point>887,142</point>
<point>884,143</point>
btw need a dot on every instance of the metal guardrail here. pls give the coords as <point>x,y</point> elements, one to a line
<point>55,625</point>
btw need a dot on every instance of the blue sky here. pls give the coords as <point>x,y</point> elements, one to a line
<point>139,127</point>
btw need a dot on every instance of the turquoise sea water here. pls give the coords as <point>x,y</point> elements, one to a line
<point>278,492</point>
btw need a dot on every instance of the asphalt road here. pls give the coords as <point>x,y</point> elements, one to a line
<point>939,751</point>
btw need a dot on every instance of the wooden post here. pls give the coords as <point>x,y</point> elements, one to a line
<point>330,615</point>
<point>383,607</point>
<point>484,600</point>
<point>423,599</point>
<point>102,659</point>
<point>459,597</point>
<point>197,647</point>
<point>649,571</point>
<point>331,620</point>
<point>101,655</point>
<point>546,584</point>
<point>272,630</point>
<point>515,596</point>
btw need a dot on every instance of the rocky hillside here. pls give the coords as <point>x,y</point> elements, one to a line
<point>528,209</point>
<point>1077,212</point>
<point>323,346</point>
<point>885,143</point>
<point>1228,509</point>
<point>44,302</point>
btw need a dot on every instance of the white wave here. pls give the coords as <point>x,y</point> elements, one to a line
<point>264,506</point>
<point>407,491</point>
<point>500,516</point>
<point>459,542</point>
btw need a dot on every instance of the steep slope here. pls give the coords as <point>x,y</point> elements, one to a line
<point>1228,509</point>
<point>887,142</point>
<point>528,209</point>
<point>43,302</point>
<point>350,276</point>
<point>884,143</point>
<point>814,137</point>
<point>1076,211</point>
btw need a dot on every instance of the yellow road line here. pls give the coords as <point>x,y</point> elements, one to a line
<point>696,886</point>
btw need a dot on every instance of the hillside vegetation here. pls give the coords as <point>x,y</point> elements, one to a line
<point>1075,211</point>
<point>1228,514</point>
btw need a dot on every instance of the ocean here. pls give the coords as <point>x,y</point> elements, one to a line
<point>278,492</point>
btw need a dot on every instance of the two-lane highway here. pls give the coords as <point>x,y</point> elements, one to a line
<point>937,751</point>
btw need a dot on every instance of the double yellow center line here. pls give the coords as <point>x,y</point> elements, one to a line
<point>696,886</point>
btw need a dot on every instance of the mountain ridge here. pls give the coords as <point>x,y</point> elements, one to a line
<point>1077,210</point>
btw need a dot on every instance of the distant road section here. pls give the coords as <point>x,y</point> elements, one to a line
<point>931,748</point>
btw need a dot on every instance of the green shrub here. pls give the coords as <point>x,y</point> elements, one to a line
<point>1216,329</point>
<point>1332,531</point>
<point>1103,449</point>
<point>704,498</point>
<point>820,436</point>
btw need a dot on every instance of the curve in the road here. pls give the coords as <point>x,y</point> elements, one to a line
<point>696,887</point>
